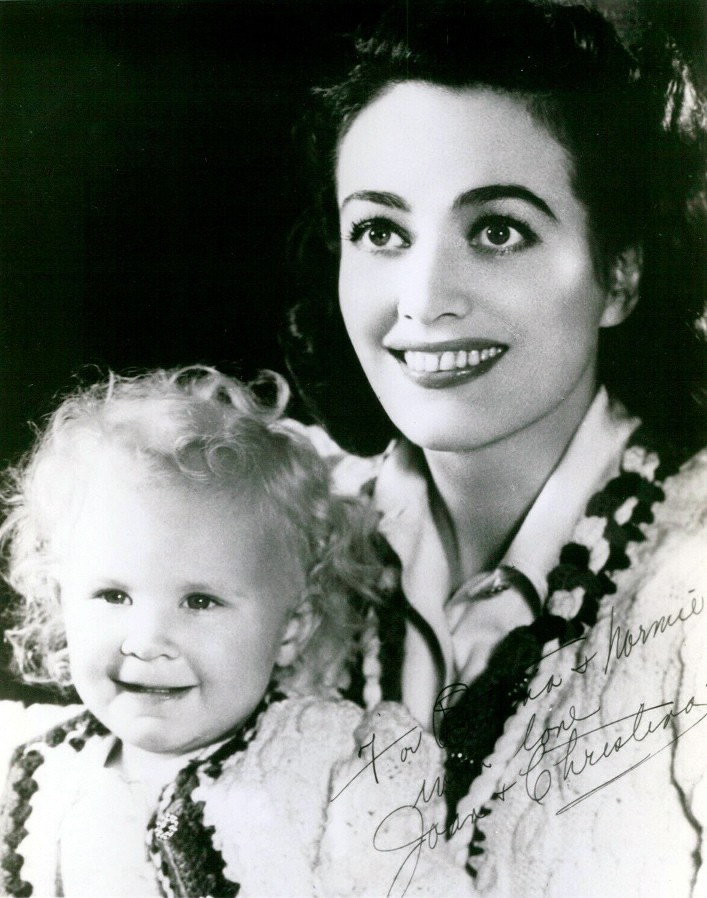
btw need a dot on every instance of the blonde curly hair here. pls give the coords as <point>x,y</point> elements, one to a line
<point>200,426</point>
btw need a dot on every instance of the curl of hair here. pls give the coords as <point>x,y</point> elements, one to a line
<point>199,426</point>
<point>634,125</point>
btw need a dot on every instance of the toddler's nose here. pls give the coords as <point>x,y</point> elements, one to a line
<point>148,635</point>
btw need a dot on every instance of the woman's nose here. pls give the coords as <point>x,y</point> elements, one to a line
<point>432,284</point>
<point>149,634</point>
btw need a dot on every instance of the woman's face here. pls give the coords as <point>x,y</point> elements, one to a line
<point>466,283</point>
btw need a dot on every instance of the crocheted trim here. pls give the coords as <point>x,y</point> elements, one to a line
<point>577,585</point>
<point>181,846</point>
<point>377,658</point>
<point>21,787</point>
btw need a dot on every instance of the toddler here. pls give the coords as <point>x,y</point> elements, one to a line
<point>181,564</point>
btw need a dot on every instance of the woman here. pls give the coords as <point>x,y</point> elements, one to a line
<point>516,206</point>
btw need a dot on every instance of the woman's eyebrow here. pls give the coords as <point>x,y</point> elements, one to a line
<point>382,198</point>
<point>503,192</point>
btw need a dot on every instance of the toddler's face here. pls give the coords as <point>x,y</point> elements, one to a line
<point>177,605</point>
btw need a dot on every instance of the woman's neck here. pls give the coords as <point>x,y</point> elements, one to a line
<point>482,496</point>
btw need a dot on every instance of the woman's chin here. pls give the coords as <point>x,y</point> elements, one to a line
<point>434,424</point>
<point>443,436</point>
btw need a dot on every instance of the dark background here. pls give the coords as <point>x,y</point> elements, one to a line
<point>147,185</point>
<point>148,181</point>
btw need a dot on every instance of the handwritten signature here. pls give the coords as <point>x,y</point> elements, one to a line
<point>545,755</point>
<point>410,817</point>
<point>622,643</point>
<point>575,758</point>
<point>405,828</point>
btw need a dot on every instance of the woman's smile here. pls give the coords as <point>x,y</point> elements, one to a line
<point>448,364</point>
<point>467,282</point>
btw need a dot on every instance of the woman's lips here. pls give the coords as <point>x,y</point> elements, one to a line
<point>449,359</point>
<point>447,364</point>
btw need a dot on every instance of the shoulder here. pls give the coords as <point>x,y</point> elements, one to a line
<point>685,504</point>
<point>49,737</point>
<point>671,556</point>
<point>284,821</point>
<point>20,725</point>
<point>306,749</point>
<point>23,722</point>
<point>662,590</point>
<point>41,766</point>
<point>674,576</point>
<point>349,473</point>
<point>298,741</point>
<point>309,737</point>
<point>672,524</point>
<point>301,720</point>
<point>267,806</point>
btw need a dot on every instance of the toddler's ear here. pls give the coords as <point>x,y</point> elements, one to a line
<point>303,621</point>
<point>624,282</point>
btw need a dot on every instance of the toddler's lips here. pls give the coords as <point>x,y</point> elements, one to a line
<point>152,689</point>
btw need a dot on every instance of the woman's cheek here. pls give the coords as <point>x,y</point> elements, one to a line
<point>356,298</point>
<point>366,295</point>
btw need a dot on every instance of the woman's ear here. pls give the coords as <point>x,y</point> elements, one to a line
<point>302,623</point>
<point>624,283</point>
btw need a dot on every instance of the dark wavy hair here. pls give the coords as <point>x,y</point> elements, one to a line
<point>633,123</point>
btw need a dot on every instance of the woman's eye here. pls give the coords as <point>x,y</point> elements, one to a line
<point>501,234</point>
<point>114,597</point>
<point>378,233</point>
<point>198,601</point>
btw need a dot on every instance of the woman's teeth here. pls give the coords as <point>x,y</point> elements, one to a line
<point>449,360</point>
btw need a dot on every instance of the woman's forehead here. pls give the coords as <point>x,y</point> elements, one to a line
<point>418,138</point>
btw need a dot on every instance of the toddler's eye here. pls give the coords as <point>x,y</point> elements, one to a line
<point>198,601</point>
<point>113,597</point>
<point>378,233</point>
<point>499,233</point>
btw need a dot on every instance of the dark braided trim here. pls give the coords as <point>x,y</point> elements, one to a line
<point>21,787</point>
<point>178,838</point>
<point>393,611</point>
<point>469,730</point>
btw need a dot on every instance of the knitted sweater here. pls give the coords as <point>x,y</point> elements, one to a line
<point>297,813</point>
<point>598,786</point>
<point>601,778</point>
